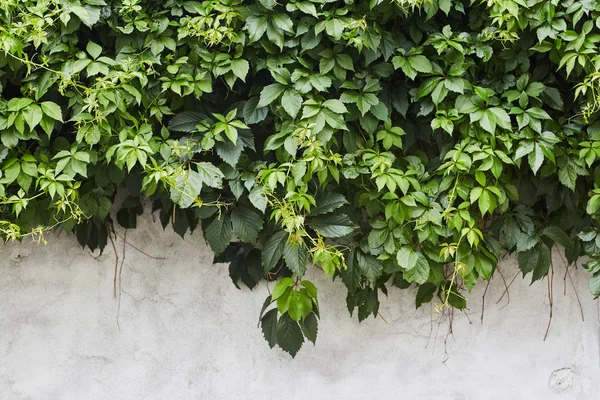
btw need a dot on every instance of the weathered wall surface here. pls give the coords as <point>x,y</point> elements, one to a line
<point>187,333</point>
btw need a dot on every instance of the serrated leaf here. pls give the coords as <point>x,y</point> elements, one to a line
<point>289,335</point>
<point>536,260</point>
<point>291,102</point>
<point>258,198</point>
<point>421,64</point>
<point>273,250</point>
<point>407,258</point>
<point>246,224</point>
<point>252,113</point>
<point>558,236</point>
<point>328,202</point>
<point>332,225</point>
<point>218,233</point>
<point>52,110</point>
<point>93,49</point>
<point>594,286</point>
<point>296,257</point>
<point>351,275</point>
<point>230,152</point>
<point>369,266</point>
<point>210,175</point>
<point>425,294</point>
<point>310,327</point>
<point>568,176</point>
<point>270,93</point>
<point>240,68</point>
<point>185,121</point>
<point>420,273</point>
<point>268,325</point>
<point>543,263</point>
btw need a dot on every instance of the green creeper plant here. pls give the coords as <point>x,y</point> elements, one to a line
<point>389,143</point>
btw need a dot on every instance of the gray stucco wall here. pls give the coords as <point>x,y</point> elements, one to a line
<point>187,333</point>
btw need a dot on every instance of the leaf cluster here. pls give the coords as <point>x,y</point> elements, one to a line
<point>389,143</point>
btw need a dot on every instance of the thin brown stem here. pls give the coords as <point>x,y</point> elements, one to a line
<point>110,229</point>
<point>508,287</point>
<point>483,300</point>
<point>384,320</point>
<point>550,296</point>
<point>565,281</point>
<point>120,276</point>
<point>576,295</point>
<point>139,250</point>
<point>505,286</point>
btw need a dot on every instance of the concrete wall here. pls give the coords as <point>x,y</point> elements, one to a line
<point>185,332</point>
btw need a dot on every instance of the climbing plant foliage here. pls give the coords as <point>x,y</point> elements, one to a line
<point>390,144</point>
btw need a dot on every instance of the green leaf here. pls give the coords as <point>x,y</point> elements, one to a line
<point>18,103</point>
<point>218,233</point>
<point>425,294</point>
<point>210,175</point>
<point>246,224</point>
<point>52,110</point>
<point>420,273</point>
<point>407,258</point>
<point>258,198</point>
<point>256,27</point>
<point>558,236</point>
<point>32,115</point>
<point>369,266</point>
<point>543,263</point>
<point>291,102</point>
<point>93,50</point>
<point>594,286</point>
<point>289,335</point>
<point>310,327</point>
<point>273,250</point>
<point>283,22</point>
<point>185,121</point>
<point>281,287</point>
<point>230,152</point>
<point>268,324</point>
<point>328,202</point>
<point>296,257</point>
<point>536,260</point>
<point>332,225</point>
<point>483,266</point>
<point>351,275</point>
<point>270,93</point>
<point>568,176</point>
<point>300,305</point>
<point>336,106</point>
<point>421,64</point>
<point>240,68</point>
<point>252,113</point>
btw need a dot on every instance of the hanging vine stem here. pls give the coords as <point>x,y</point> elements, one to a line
<point>505,286</point>
<point>120,277</point>
<point>568,273</point>
<point>110,229</point>
<point>550,279</point>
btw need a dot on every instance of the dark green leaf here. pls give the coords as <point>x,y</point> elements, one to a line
<point>218,233</point>
<point>269,324</point>
<point>425,294</point>
<point>332,225</point>
<point>310,327</point>
<point>273,250</point>
<point>289,335</point>
<point>295,256</point>
<point>246,224</point>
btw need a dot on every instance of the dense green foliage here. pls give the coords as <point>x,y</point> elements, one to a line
<point>388,143</point>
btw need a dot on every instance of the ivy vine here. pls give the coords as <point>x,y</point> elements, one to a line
<point>390,143</point>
